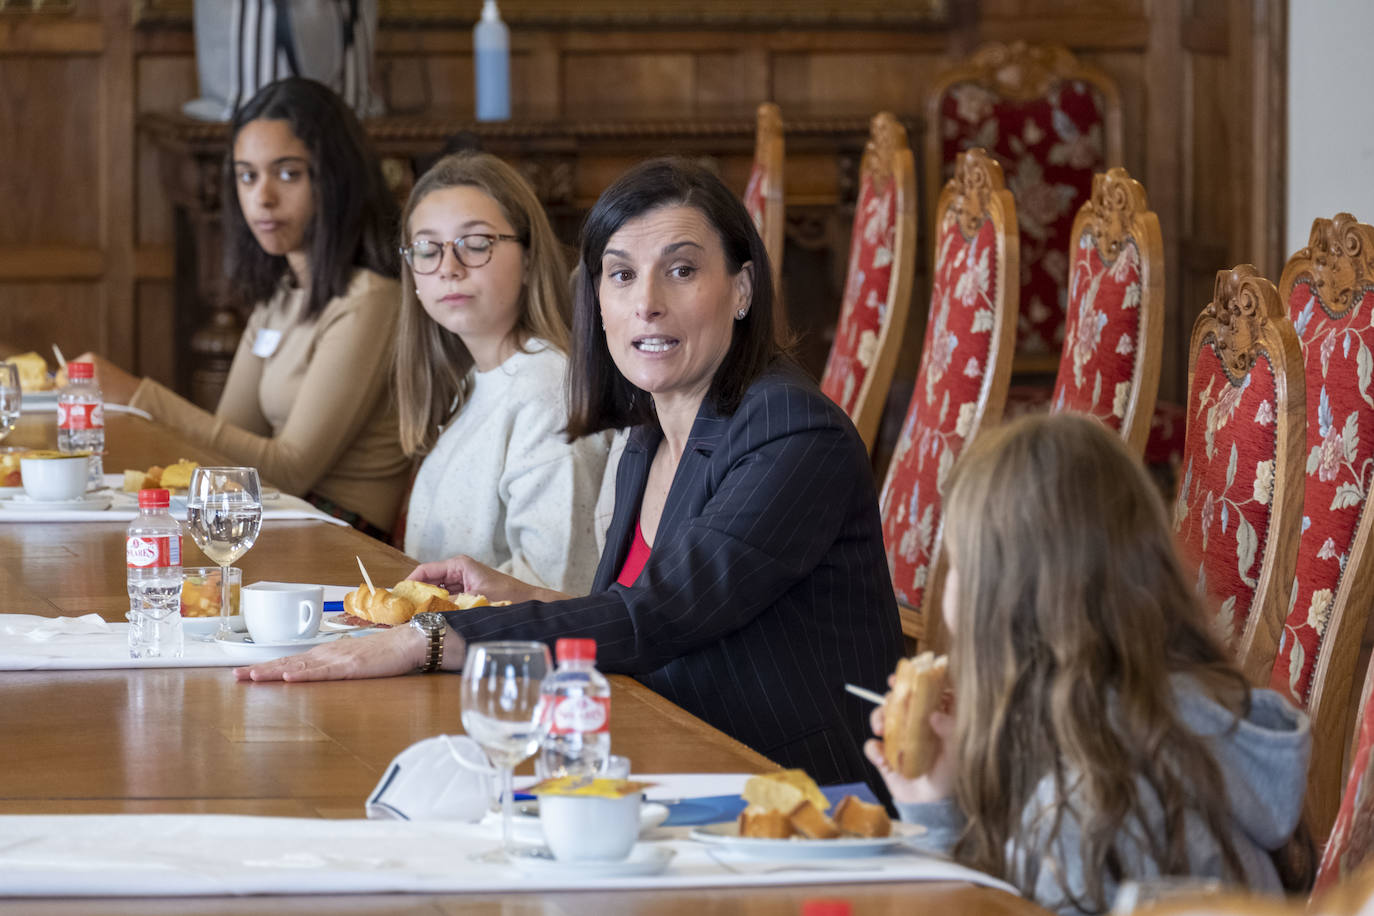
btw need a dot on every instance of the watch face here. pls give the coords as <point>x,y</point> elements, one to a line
<point>429,620</point>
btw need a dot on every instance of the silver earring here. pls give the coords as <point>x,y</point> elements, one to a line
<point>739,316</point>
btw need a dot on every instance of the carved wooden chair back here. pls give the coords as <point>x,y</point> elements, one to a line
<point>763,198</point>
<point>877,295</point>
<point>1239,506</point>
<point>961,385</point>
<point>1114,320</point>
<point>1052,123</point>
<point>1329,290</point>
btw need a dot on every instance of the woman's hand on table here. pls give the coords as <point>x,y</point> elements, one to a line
<point>399,650</point>
<point>936,785</point>
<point>464,574</point>
<point>116,385</point>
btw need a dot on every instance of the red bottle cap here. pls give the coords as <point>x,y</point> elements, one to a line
<point>826,908</point>
<point>575,650</point>
<point>153,499</point>
<point>80,370</point>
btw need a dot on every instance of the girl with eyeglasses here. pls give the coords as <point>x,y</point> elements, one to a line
<point>309,226</point>
<point>481,355</point>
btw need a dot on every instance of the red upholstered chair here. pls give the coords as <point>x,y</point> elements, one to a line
<point>1052,123</point>
<point>1329,290</point>
<point>764,201</point>
<point>1115,316</point>
<point>1238,510</point>
<point>1352,836</point>
<point>877,294</point>
<point>962,381</point>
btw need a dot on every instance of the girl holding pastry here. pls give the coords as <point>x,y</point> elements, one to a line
<point>481,360</point>
<point>309,226</point>
<point>1100,731</point>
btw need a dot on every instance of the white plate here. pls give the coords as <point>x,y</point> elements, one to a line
<point>333,622</point>
<point>242,646</point>
<point>35,398</point>
<point>209,626</point>
<point>726,836</point>
<point>97,501</point>
<point>11,492</point>
<point>644,859</point>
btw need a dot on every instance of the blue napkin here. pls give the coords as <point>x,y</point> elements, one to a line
<point>712,809</point>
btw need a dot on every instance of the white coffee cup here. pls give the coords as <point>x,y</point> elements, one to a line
<point>584,828</point>
<point>277,612</point>
<point>53,477</point>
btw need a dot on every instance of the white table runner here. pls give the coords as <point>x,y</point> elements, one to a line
<point>182,855</point>
<point>125,509</point>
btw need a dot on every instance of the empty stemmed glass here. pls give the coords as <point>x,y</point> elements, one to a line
<point>224,513</point>
<point>10,396</point>
<point>503,710</point>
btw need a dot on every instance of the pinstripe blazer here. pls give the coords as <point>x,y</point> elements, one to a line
<point>767,587</point>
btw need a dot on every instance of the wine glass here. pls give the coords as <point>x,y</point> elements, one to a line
<point>224,512</point>
<point>503,710</point>
<point>10,396</point>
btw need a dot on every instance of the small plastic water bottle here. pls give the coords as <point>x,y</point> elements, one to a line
<point>81,419</point>
<point>578,699</point>
<point>491,52</point>
<point>153,553</point>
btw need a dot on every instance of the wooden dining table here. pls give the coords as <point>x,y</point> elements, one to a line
<point>195,740</point>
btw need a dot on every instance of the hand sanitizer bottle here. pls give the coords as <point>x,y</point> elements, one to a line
<point>491,52</point>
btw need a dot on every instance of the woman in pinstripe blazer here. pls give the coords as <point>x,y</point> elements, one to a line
<point>743,576</point>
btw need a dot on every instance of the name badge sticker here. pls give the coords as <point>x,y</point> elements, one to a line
<point>265,344</point>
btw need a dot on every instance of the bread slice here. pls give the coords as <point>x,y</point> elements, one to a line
<point>137,480</point>
<point>859,818</point>
<point>423,597</point>
<point>808,821</point>
<point>918,686</point>
<point>784,791</point>
<point>764,823</point>
<point>33,371</point>
<point>178,476</point>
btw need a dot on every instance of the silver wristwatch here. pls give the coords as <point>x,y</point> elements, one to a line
<point>433,625</point>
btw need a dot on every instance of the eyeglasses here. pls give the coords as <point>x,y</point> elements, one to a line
<point>472,251</point>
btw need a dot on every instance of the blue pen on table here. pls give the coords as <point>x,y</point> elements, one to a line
<point>331,607</point>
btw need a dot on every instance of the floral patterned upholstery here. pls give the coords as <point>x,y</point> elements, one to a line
<point>1352,836</point>
<point>1102,333</point>
<point>1049,147</point>
<point>1222,511</point>
<point>864,308</point>
<point>1338,355</point>
<point>964,358</point>
<point>1234,519</point>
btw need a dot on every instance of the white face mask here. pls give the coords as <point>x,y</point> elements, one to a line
<point>446,777</point>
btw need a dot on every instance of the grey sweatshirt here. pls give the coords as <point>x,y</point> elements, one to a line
<point>1263,763</point>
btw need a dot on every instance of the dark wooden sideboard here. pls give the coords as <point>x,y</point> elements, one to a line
<point>569,160</point>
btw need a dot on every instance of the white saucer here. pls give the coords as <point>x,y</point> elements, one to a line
<point>644,859</point>
<point>91,502</point>
<point>242,646</point>
<point>209,626</point>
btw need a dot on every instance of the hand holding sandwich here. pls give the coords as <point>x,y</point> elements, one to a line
<point>464,574</point>
<point>913,755</point>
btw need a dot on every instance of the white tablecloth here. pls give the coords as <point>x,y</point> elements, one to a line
<point>71,643</point>
<point>181,855</point>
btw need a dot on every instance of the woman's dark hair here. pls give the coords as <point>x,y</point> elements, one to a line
<point>600,397</point>
<point>355,220</point>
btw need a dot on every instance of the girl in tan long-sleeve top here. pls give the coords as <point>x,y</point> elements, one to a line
<point>309,225</point>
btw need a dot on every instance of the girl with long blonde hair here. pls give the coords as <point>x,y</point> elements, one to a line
<point>1100,731</point>
<point>481,355</point>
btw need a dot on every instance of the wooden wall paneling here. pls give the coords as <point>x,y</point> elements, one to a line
<point>34,315</point>
<point>156,310</point>
<point>117,173</point>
